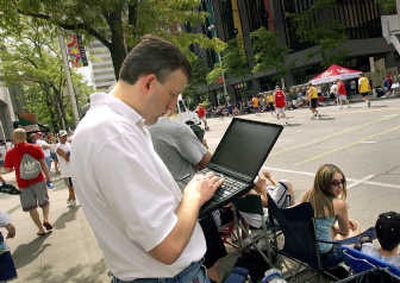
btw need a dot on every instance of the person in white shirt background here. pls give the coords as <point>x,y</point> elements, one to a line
<point>63,151</point>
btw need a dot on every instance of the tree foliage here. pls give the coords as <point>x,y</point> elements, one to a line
<point>269,54</point>
<point>318,26</point>
<point>31,61</point>
<point>118,24</point>
<point>388,6</point>
<point>235,60</point>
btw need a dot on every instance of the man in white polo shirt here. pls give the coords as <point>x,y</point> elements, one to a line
<point>146,227</point>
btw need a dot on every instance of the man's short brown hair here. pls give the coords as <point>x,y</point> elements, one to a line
<point>153,55</point>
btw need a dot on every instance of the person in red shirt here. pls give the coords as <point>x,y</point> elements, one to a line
<point>342,93</point>
<point>201,112</point>
<point>280,103</point>
<point>33,191</point>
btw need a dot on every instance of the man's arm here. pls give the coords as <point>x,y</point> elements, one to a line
<point>5,170</point>
<point>5,222</point>
<point>63,154</point>
<point>45,169</point>
<point>204,161</point>
<point>197,192</point>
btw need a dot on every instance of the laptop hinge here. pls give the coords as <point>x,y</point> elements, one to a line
<point>235,174</point>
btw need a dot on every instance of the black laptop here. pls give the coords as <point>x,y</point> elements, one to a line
<point>239,157</point>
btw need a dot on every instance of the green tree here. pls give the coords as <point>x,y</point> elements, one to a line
<point>388,6</point>
<point>235,60</point>
<point>117,24</point>
<point>269,54</point>
<point>31,61</point>
<point>318,26</point>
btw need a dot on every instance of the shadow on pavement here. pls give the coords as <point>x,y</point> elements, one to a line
<point>325,118</point>
<point>293,125</point>
<point>26,253</point>
<point>67,216</point>
<point>81,273</point>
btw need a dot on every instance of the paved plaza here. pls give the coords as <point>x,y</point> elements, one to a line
<point>365,143</point>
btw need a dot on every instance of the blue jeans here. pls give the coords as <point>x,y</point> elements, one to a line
<point>194,273</point>
<point>48,162</point>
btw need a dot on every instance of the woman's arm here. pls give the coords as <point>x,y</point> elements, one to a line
<point>341,212</point>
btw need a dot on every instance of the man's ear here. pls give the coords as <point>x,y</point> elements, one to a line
<point>147,81</point>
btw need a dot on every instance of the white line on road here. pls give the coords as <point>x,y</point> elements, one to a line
<point>359,182</point>
<point>355,182</point>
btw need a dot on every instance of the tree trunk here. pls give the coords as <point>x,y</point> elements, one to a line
<point>117,48</point>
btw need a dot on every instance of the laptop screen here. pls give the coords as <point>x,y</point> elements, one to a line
<point>245,146</point>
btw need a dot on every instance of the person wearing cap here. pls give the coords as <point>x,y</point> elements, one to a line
<point>63,151</point>
<point>33,189</point>
<point>145,225</point>
<point>387,229</point>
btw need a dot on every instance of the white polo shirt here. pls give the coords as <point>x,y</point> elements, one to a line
<point>128,194</point>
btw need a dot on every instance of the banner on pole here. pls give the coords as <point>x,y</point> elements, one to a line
<point>76,51</point>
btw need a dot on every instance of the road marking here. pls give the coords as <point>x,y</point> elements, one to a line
<point>355,182</point>
<point>339,133</point>
<point>318,156</point>
<point>359,182</point>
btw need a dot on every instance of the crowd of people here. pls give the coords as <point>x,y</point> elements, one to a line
<point>339,92</point>
<point>136,175</point>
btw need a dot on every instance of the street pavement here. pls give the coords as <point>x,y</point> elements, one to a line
<point>363,142</point>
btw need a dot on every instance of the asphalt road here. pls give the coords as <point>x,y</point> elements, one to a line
<point>363,142</point>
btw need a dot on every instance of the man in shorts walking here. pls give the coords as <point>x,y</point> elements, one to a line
<point>364,88</point>
<point>342,93</point>
<point>312,96</point>
<point>280,104</point>
<point>33,189</point>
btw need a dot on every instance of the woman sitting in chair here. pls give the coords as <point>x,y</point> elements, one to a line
<point>328,200</point>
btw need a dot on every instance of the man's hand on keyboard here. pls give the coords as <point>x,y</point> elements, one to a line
<point>202,187</point>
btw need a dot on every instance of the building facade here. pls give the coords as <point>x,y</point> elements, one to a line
<point>101,66</point>
<point>364,46</point>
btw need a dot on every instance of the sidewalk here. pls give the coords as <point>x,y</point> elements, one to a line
<point>69,254</point>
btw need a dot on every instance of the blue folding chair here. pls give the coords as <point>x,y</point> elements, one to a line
<point>359,262</point>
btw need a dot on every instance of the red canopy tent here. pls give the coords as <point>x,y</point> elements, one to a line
<point>334,73</point>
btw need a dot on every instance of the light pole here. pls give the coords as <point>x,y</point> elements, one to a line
<point>70,85</point>
<point>214,34</point>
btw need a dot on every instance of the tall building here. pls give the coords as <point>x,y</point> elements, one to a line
<point>391,28</point>
<point>101,66</point>
<point>360,20</point>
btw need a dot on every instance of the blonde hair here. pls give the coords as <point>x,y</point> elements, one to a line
<point>19,135</point>
<point>320,195</point>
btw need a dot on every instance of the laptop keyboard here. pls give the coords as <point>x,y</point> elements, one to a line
<point>229,188</point>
